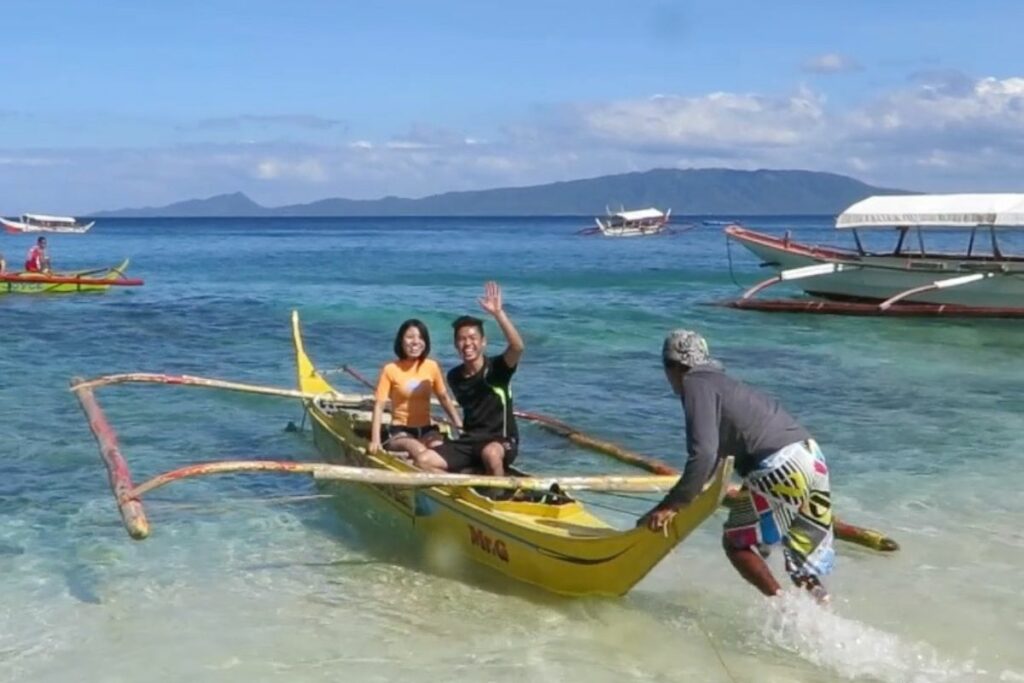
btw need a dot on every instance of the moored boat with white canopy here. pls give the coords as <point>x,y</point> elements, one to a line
<point>38,222</point>
<point>639,223</point>
<point>912,278</point>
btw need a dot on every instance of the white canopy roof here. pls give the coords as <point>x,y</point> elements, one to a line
<point>935,211</point>
<point>48,219</point>
<point>639,215</point>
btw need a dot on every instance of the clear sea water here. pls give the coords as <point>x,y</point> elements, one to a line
<point>260,578</point>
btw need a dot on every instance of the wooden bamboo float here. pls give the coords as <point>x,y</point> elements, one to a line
<point>599,445</point>
<point>851,533</point>
<point>350,400</point>
<point>132,514</point>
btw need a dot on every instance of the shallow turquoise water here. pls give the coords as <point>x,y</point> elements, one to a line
<point>248,578</point>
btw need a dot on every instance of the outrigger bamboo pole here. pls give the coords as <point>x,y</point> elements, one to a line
<point>851,533</point>
<point>132,514</point>
<point>189,380</point>
<point>366,475</point>
<point>576,436</point>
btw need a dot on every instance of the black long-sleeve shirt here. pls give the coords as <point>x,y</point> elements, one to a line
<point>726,417</point>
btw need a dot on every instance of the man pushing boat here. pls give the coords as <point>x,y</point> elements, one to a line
<point>785,496</point>
<point>482,387</point>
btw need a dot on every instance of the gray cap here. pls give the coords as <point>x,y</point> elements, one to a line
<point>686,347</point>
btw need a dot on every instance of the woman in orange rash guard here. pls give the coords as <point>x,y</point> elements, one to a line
<point>409,382</point>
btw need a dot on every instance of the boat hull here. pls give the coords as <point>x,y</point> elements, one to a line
<point>17,227</point>
<point>633,232</point>
<point>66,283</point>
<point>876,278</point>
<point>561,548</point>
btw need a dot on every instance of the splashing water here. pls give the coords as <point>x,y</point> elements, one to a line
<point>851,649</point>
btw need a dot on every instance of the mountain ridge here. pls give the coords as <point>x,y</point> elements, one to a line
<point>708,191</point>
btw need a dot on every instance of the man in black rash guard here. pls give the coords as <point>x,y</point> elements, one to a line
<point>482,387</point>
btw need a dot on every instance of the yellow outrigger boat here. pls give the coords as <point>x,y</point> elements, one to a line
<point>96,280</point>
<point>550,541</point>
<point>539,536</point>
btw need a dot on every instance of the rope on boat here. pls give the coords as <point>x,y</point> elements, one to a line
<point>718,653</point>
<point>728,251</point>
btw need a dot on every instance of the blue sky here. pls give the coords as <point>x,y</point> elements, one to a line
<point>113,104</point>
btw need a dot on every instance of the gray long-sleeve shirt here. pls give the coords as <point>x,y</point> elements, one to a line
<point>726,417</point>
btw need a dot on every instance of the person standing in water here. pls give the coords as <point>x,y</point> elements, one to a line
<point>785,497</point>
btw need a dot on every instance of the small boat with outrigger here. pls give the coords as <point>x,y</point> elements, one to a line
<point>540,535</point>
<point>75,282</point>
<point>912,279</point>
<point>637,223</point>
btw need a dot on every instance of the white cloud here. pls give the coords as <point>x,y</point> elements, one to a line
<point>830,63</point>
<point>986,105</point>
<point>938,132</point>
<point>716,121</point>
<point>264,121</point>
<point>32,161</point>
<point>311,170</point>
<point>406,144</point>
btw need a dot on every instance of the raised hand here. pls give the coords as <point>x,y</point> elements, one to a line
<point>491,300</point>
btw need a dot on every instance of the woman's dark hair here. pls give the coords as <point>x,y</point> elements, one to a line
<point>424,333</point>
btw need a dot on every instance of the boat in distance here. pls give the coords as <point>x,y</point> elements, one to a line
<point>38,222</point>
<point>638,223</point>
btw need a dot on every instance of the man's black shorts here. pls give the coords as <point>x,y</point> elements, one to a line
<point>466,451</point>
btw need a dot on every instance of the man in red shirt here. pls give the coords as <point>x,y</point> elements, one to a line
<point>37,260</point>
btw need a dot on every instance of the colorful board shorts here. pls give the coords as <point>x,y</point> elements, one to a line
<point>787,500</point>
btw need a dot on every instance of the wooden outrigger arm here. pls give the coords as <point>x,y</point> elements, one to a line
<point>366,475</point>
<point>800,273</point>
<point>127,494</point>
<point>348,400</point>
<point>932,286</point>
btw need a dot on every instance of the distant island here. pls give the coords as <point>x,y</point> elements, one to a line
<point>709,191</point>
